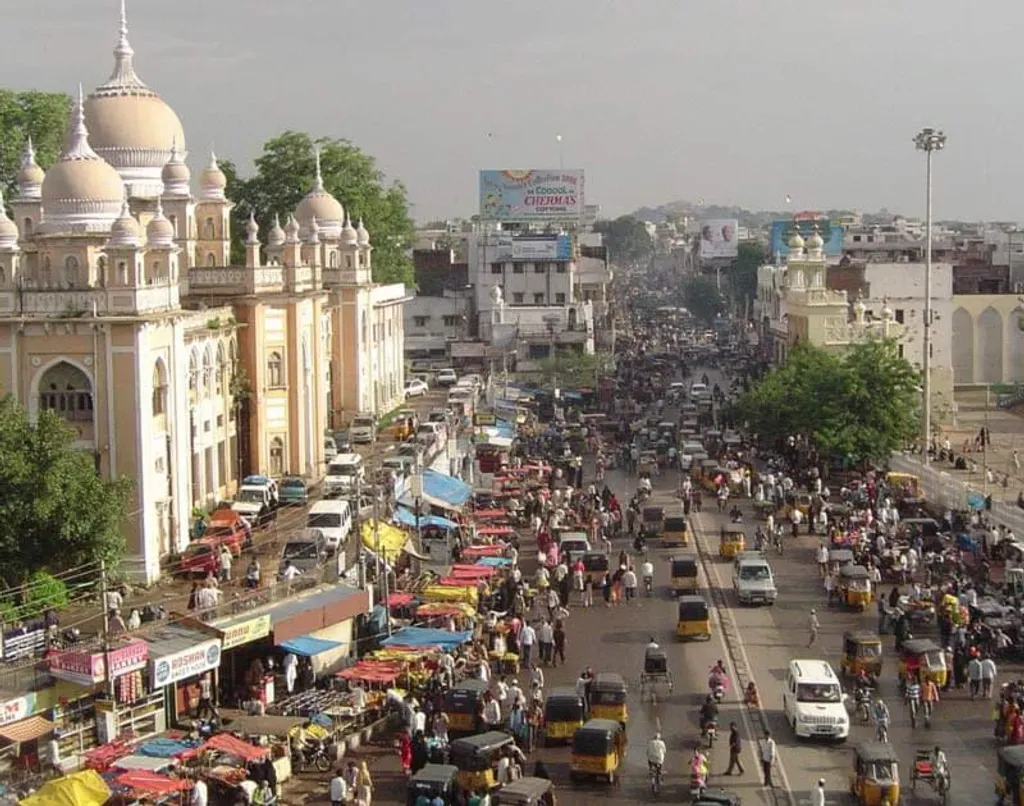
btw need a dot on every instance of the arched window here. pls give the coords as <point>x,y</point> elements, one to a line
<point>275,371</point>
<point>159,389</point>
<point>193,378</point>
<point>101,271</point>
<point>208,372</point>
<point>44,272</point>
<point>218,371</point>
<point>333,260</point>
<point>26,225</point>
<point>211,259</point>
<point>348,261</point>
<point>122,273</point>
<point>277,456</point>
<point>71,271</point>
<point>66,390</point>
<point>362,260</point>
<point>209,231</point>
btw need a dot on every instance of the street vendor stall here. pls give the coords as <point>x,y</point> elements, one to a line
<point>478,552</point>
<point>151,786</point>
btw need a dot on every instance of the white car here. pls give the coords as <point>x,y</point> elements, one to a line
<point>447,377</point>
<point>416,388</point>
<point>813,702</point>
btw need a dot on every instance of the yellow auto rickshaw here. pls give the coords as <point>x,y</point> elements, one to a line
<point>676,531</point>
<point>694,618</point>
<point>876,774</point>
<point>564,712</point>
<point>862,652</point>
<point>608,697</point>
<point>431,780</point>
<point>683,572</point>
<point>837,558</point>
<point>924,659</point>
<point>595,566</point>
<point>598,749</point>
<point>404,424</point>
<point>476,758</point>
<point>461,704</point>
<point>801,501</point>
<point>1010,774</point>
<point>732,540</point>
<point>526,791</point>
<point>855,586</point>
<point>652,519</point>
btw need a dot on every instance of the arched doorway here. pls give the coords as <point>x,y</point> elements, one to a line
<point>66,390</point>
<point>963,346</point>
<point>990,341</point>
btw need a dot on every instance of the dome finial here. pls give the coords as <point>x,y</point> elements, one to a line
<point>124,79</point>
<point>77,146</point>
<point>319,182</point>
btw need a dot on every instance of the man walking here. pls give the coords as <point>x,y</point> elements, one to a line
<point>767,754</point>
<point>814,625</point>
<point>735,746</point>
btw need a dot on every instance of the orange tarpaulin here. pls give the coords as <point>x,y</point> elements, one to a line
<point>233,746</point>
<point>400,599</point>
<point>475,552</point>
<point>151,783</point>
<point>472,571</point>
<point>458,582</point>
<point>489,514</point>
<point>495,531</point>
<point>372,671</point>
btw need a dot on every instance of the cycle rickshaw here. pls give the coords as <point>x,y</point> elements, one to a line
<point>655,674</point>
<point>924,771</point>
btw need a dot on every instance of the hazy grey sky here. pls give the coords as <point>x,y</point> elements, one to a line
<point>733,101</point>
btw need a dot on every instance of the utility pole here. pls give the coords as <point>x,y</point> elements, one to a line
<point>109,680</point>
<point>382,576</point>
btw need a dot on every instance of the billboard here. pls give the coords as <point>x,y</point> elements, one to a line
<point>529,249</point>
<point>831,234</point>
<point>718,238</point>
<point>537,195</point>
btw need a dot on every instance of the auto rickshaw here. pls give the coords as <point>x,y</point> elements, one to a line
<point>694,618</point>
<point>683,572</point>
<point>525,792</point>
<point>862,652</point>
<point>564,711</point>
<point>1010,774</point>
<point>837,558</point>
<point>676,531</point>
<point>855,586</point>
<point>876,774</point>
<point>460,706</point>
<point>476,757</point>
<point>653,520</point>
<point>925,658</point>
<point>732,540</point>
<point>431,780</point>
<point>608,698</point>
<point>598,748</point>
<point>801,501</point>
<point>595,566</point>
<point>404,424</point>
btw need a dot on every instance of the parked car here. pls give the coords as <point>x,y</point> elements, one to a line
<point>342,442</point>
<point>255,504</point>
<point>416,388</point>
<point>293,490</point>
<point>228,526</point>
<point>330,448</point>
<point>447,377</point>
<point>363,429</point>
<point>305,551</point>
<point>201,558</point>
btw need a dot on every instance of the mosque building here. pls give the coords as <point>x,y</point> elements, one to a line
<point>121,311</point>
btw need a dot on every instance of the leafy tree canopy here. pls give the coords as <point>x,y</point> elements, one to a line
<point>56,512</point>
<point>626,238</point>
<point>41,115</point>
<point>750,257</point>
<point>285,171</point>
<point>570,368</point>
<point>703,299</point>
<point>860,405</point>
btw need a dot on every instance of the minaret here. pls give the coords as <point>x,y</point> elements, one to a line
<point>27,205</point>
<point>275,242</point>
<point>252,243</point>
<point>213,217</point>
<point>123,251</point>
<point>292,253</point>
<point>9,249</point>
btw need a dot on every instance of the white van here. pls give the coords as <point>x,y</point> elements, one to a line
<point>334,519</point>
<point>813,701</point>
<point>363,429</point>
<point>344,474</point>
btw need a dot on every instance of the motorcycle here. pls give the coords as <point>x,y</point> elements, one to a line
<point>717,686</point>
<point>777,541</point>
<point>312,756</point>
<point>882,733</point>
<point>711,732</point>
<point>648,585</point>
<point>862,699</point>
<point>655,773</point>
<point>698,785</point>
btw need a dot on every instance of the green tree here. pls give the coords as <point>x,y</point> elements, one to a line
<point>285,171</point>
<point>626,238</point>
<point>570,368</point>
<point>750,257</point>
<point>56,512</point>
<point>860,405</point>
<point>703,299</point>
<point>41,115</point>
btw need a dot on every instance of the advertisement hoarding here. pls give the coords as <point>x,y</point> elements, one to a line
<point>551,247</point>
<point>90,668</point>
<point>718,238</point>
<point>190,662</point>
<point>244,632</point>
<point>535,195</point>
<point>831,234</point>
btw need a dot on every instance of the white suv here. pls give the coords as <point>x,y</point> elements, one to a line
<point>813,701</point>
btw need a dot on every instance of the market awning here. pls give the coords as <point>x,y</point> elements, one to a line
<point>144,763</point>
<point>233,746</point>
<point>495,562</point>
<point>145,783</point>
<point>400,599</point>
<point>372,671</point>
<point>383,539</point>
<point>27,730</point>
<point>82,788</point>
<point>263,725</point>
<point>308,646</point>
<point>406,518</point>
<point>426,637</point>
<point>439,490</point>
<point>472,571</point>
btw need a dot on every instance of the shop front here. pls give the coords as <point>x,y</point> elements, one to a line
<point>179,657</point>
<point>23,730</point>
<point>245,645</point>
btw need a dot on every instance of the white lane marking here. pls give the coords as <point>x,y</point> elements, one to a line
<point>701,534</point>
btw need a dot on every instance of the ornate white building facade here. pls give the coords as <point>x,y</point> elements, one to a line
<point>119,310</point>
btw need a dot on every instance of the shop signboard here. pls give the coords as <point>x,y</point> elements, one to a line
<point>484,419</point>
<point>89,668</point>
<point>245,632</point>
<point>17,709</point>
<point>190,662</point>
<point>535,248</point>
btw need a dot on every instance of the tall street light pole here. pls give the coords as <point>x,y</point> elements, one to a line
<point>929,141</point>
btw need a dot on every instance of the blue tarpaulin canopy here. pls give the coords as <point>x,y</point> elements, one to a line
<point>494,562</point>
<point>308,646</point>
<point>439,490</point>
<point>425,636</point>
<point>406,518</point>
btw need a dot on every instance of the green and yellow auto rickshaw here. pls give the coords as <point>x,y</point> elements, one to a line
<point>1010,775</point>
<point>876,774</point>
<point>430,781</point>
<point>855,586</point>
<point>732,540</point>
<point>598,750</point>
<point>564,712</point>
<point>461,705</point>
<point>683,571</point>
<point>477,758</point>
<point>526,791</point>
<point>694,618</point>
<point>862,653</point>
<point>608,697</point>
<point>676,531</point>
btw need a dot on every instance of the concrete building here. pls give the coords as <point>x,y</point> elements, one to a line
<point>120,311</point>
<point>432,323</point>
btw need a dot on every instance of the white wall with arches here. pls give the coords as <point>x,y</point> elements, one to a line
<point>987,339</point>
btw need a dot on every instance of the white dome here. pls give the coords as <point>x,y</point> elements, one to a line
<point>80,189</point>
<point>159,231</point>
<point>132,127</point>
<point>291,230</point>
<point>322,206</point>
<point>275,237</point>
<point>349,235</point>
<point>252,229</point>
<point>175,174</point>
<point>313,232</point>
<point>362,234</point>
<point>30,175</point>
<point>125,233</point>
<point>8,229</point>
<point>213,181</point>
